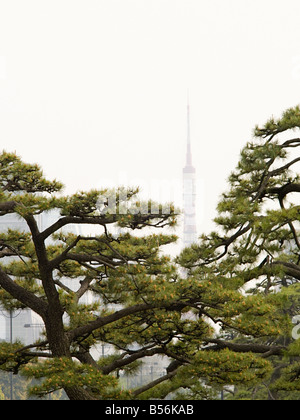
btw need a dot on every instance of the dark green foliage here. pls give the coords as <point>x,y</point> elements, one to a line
<point>220,314</point>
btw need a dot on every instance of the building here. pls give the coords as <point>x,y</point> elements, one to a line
<point>26,325</point>
<point>23,325</point>
<point>189,192</point>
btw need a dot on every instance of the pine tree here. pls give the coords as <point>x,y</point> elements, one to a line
<point>223,323</point>
<point>255,252</point>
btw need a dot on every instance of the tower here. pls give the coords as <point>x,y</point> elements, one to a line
<point>189,192</point>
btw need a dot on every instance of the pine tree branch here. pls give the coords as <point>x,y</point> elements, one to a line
<point>66,220</point>
<point>7,206</point>
<point>290,269</point>
<point>87,258</point>
<point>244,348</point>
<point>24,296</point>
<point>278,171</point>
<point>152,384</point>
<point>120,363</point>
<point>103,321</point>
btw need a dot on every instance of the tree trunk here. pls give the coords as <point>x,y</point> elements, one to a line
<point>60,347</point>
<point>77,393</point>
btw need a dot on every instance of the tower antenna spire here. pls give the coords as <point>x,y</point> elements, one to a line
<point>189,190</point>
<point>189,150</point>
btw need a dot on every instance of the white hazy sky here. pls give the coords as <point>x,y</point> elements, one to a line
<point>95,90</point>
